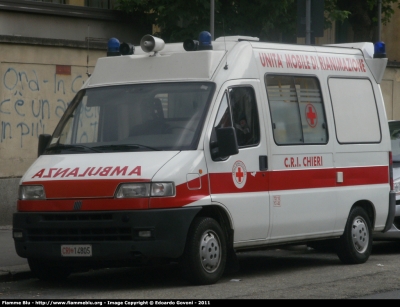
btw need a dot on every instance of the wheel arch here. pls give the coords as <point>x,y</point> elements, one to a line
<point>222,217</point>
<point>369,208</point>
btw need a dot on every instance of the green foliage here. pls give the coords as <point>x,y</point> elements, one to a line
<point>270,20</point>
<point>368,9</point>
<point>333,13</point>
<point>182,19</point>
<point>363,15</point>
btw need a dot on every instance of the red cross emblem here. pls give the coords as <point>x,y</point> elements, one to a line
<point>311,115</point>
<point>239,174</point>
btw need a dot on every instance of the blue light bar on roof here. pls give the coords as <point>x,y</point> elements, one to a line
<point>113,47</point>
<point>205,41</point>
<point>379,50</point>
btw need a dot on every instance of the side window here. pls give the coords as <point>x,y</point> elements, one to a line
<point>355,111</point>
<point>245,115</point>
<point>224,115</point>
<point>238,108</point>
<point>297,111</point>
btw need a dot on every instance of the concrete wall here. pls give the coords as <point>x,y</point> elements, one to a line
<point>391,90</point>
<point>8,199</point>
<point>37,83</point>
<point>391,80</point>
<point>390,34</point>
<point>63,27</point>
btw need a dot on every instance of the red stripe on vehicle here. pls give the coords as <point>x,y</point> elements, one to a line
<point>299,179</point>
<point>98,194</point>
<point>102,188</point>
<point>326,178</point>
<point>223,183</point>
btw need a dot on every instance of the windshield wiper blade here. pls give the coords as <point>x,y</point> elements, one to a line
<point>126,146</point>
<point>73,147</point>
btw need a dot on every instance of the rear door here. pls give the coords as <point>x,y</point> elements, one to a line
<point>302,176</point>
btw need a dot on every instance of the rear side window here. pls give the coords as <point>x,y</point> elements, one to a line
<point>297,111</point>
<point>354,111</point>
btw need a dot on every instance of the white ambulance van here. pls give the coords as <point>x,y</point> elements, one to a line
<point>191,152</point>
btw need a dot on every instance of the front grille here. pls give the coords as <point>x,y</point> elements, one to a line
<point>80,234</point>
<point>78,227</point>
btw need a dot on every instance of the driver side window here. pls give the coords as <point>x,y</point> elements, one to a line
<point>239,109</point>
<point>245,115</point>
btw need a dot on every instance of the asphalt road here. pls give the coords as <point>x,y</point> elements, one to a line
<point>293,273</point>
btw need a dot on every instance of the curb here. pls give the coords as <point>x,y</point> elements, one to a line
<point>14,273</point>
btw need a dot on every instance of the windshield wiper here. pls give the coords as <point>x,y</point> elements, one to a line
<point>73,147</point>
<point>118,147</point>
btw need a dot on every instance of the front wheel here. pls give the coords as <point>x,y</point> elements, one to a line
<point>355,245</point>
<point>205,253</point>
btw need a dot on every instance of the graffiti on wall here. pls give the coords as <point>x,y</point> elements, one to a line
<point>33,99</point>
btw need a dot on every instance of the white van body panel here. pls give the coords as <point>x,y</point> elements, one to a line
<point>84,166</point>
<point>187,170</point>
<point>155,68</point>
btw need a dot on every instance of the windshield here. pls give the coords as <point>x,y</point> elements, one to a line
<point>145,117</point>
<point>394,127</point>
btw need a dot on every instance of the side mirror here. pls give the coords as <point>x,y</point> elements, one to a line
<point>44,140</point>
<point>226,144</point>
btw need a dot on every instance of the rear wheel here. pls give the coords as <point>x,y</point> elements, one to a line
<point>355,245</point>
<point>205,253</point>
<point>48,271</point>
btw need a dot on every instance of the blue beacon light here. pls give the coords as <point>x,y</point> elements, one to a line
<point>205,41</point>
<point>379,50</point>
<point>113,47</point>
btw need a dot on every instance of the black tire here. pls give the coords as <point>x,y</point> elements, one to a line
<point>48,271</point>
<point>205,253</point>
<point>355,245</point>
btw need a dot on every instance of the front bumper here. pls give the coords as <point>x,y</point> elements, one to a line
<point>114,235</point>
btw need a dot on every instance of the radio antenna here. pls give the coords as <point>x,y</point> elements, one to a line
<point>87,56</point>
<point>223,30</point>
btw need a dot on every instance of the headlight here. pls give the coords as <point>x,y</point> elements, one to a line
<point>162,189</point>
<point>131,190</point>
<point>31,192</point>
<point>396,184</point>
<point>157,189</point>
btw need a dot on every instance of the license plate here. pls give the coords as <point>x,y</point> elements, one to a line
<point>76,250</point>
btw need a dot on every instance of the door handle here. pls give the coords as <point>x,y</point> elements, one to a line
<point>263,163</point>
